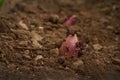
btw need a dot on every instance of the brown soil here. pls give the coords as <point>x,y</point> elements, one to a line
<point>32,31</point>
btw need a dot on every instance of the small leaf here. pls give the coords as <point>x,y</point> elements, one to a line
<point>32,26</point>
<point>1,3</point>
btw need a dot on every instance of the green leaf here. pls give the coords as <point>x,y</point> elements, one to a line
<point>1,3</point>
<point>32,26</point>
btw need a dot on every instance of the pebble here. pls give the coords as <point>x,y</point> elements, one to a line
<point>36,44</point>
<point>97,47</point>
<point>38,57</point>
<point>77,63</point>
<point>54,52</point>
<point>23,25</point>
<point>41,28</point>
<point>35,38</point>
<point>110,27</point>
<point>54,18</point>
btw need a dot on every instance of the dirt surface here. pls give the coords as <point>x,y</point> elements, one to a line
<point>32,31</point>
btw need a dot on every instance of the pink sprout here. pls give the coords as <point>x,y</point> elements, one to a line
<point>71,47</point>
<point>70,21</point>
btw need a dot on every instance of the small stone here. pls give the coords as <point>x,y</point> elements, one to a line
<point>77,63</point>
<point>67,68</point>
<point>110,27</point>
<point>36,44</point>
<point>23,25</point>
<point>35,36</point>
<point>38,57</point>
<point>97,47</point>
<point>41,28</point>
<point>54,52</point>
<point>54,18</point>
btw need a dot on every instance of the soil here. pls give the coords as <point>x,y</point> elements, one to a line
<point>32,31</point>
